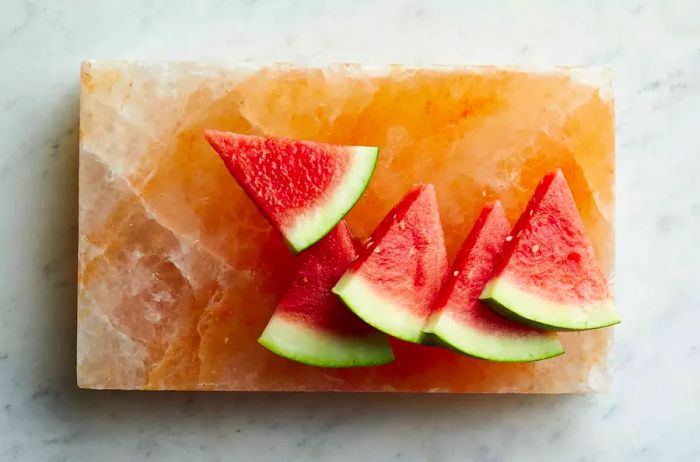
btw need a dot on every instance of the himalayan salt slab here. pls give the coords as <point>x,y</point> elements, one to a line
<point>179,273</point>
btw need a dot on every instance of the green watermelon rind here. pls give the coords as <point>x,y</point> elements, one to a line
<point>494,346</point>
<point>511,300</point>
<point>313,224</point>
<point>314,347</point>
<point>378,310</point>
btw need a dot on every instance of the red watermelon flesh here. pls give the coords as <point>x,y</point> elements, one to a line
<point>303,188</point>
<point>549,275</point>
<point>312,325</point>
<point>460,320</point>
<point>393,283</point>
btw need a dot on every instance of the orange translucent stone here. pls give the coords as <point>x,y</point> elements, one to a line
<point>179,273</point>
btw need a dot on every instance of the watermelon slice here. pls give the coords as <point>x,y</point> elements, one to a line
<point>311,325</point>
<point>549,276</point>
<point>394,281</point>
<point>461,321</point>
<point>304,188</point>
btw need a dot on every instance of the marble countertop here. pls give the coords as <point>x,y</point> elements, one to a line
<point>653,414</point>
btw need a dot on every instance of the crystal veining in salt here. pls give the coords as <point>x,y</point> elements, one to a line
<point>171,250</point>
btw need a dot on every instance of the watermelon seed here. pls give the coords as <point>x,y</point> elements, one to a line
<point>226,340</point>
<point>305,280</point>
<point>509,238</point>
<point>531,212</point>
<point>402,225</point>
<point>456,273</point>
<point>483,193</point>
<point>535,248</point>
<point>377,249</point>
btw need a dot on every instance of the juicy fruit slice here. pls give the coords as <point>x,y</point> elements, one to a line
<point>549,275</point>
<point>397,276</point>
<point>461,321</point>
<point>311,325</point>
<point>303,188</point>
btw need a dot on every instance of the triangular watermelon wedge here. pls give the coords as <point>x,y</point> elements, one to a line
<point>397,276</point>
<point>303,188</point>
<point>461,321</point>
<point>313,326</point>
<point>549,276</point>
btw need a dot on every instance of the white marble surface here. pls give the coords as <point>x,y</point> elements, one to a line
<point>652,415</point>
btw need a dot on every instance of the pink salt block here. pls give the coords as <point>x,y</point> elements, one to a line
<point>179,273</point>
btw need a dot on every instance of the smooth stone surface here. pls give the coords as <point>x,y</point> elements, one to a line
<point>652,413</point>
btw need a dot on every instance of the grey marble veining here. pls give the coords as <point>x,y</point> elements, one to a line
<point>653,414</point>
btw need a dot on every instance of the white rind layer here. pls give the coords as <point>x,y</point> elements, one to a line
<point>507,298</point>
<point>313,224</point>
<point>378,310</point>
<point>495,346</point>
<point>304,344</point>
